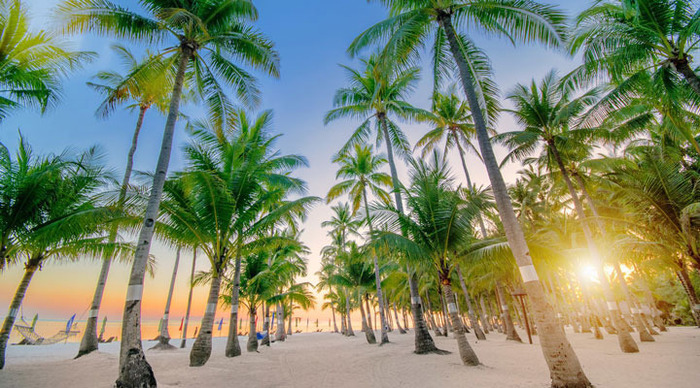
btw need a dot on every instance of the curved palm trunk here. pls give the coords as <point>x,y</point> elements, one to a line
<point>279,334</point>
<point>466,352</point>
<point>335,326</point>
<point>627,344</point>
<point>369,334</point>
<point>564,366</point>
<point>511,334</point>
<point>30,269</point>
<point>480,218</point>
<point>89,343</point>
<point>369,313</point>
<point>252,344</point>
<point>201,349</point>
<point>396,318</point>
<point>689,289</point>
<point>377,279</point>
<point>655,318</point>
<point>350,332</point>
<point>473,322</point>
<point>233,348</point>
<point>484,315</point>
<point>682,65</point>
<point>134,370</point>
<point>423,341</point>
<point>189,300</point>
<point>164,337</point>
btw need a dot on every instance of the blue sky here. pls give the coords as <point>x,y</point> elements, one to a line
<point>311,37</point>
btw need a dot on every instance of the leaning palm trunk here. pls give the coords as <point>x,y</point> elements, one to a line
<point>377,279</point>
<point>350,332</point>
<point>164,337</point>
<point>279,334</point>
<point>484,315</point>
<point>335,326</point>
<point>396,318</point>
<point>201,349</point>
<point>644,335</point>
<point>233,348</point>
<point>473,322</point>
<point>423,341</point>
<point>189,300</point>
<point>625,340</point>
<point>466,352</point>
<point>89,342</point>
<point>369,333</point>
<point>511,334</point>
<point>564,366</point>
<point>252,344</point>
<point>689,289</point>
<point>134,370</point>
<point>30,268</point>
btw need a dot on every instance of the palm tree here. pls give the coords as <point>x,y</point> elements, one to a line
<point>189,300</point>
<point>623,37</point>
<point>408,27</point>
<point>164,335</point>
<point>439,229</point>
<point>233,190</point>
<point>50,212</point>
<point>360,172</point>
<point>145,88</point>
<point>207,36</point>
<point>31,64</point>
<point>546,112</point>
<point>375,93</point>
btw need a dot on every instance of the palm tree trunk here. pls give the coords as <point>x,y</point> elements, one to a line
<point>164,337</point>
<point>266,325</point>
<point>484,315</point>
<point>446,321</point>
<point>189,300</point>
<point>682,65</point>
<point>466,352</point>
<point>377,278</point>
<point>625,340</point>
<point>29,270</point>
<point>564,366</point>
<point>289,321</point>
<point>201,349</point>
<point>689,289</point>
<point>350,332</point>
<point>423,341</point>
<point>369,313</point>
<point>369,334</point>
<point>279,335</point>
<point>233,347</point>
<point>252,345</point>
<point>396,318</point>
<point>89,343</point>
<point>470,185</point>
<point>511,334</point>
<point>335,325</point>
<point>134,370</point>
<point>473,322</point>
<point>654,312</point>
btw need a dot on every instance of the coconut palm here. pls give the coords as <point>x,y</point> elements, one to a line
<point>546,112</point>
<point>189,300</point>
<point>50,212</point>
<point>360,172</point>
<point>409,26</point>
<point>233,190</point>
<point>144,88</point>
<point>623,37</point>
<point>439,229</point>
<point>207,37</point>
<point>31,63</point>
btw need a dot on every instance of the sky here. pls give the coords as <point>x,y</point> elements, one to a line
<point>311,37</point>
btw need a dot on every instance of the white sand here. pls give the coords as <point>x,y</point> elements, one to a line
<point>330,360</point>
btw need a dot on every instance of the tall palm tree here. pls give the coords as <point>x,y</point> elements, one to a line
<point>623,37</point>
<point>50,212</point>
<point>144,88</point>
<point>206,36</point>
<point>31,63</point>
<point>376,92</point>
<point>408,27</point>
<point>233,190</point>
<point>439,229</point>
<point>547,111</point>
<point>360,171</point>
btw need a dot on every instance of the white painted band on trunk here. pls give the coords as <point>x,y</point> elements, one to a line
<point>134,292</point>
<point>452,308</point>
<point>93,313</point>
<point>415,299</point>
<point>211,308</point>
<point>529,273</point>
<point>612,306</point>
<point>504,307</point>
<point>13,313</point>
<point>165,317</point>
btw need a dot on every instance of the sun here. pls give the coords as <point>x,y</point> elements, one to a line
<point>588,272</point>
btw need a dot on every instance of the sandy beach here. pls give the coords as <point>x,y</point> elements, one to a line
<point>330,360</point>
